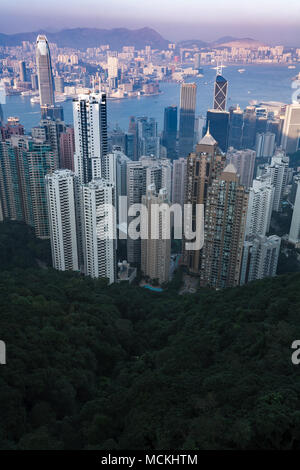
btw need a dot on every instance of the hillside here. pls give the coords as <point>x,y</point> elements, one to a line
<point>83,38</point>
<point>97,367</point>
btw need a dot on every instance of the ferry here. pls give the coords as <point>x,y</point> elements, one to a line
<point>291,66</point>
<point>241,70</point>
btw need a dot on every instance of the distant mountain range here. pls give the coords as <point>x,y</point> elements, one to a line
<point>81,38</point>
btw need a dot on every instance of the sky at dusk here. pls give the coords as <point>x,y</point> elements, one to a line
<point>275,21</point>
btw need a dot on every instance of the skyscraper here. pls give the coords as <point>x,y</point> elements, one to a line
<point>220,92</point>
<point>225,218</point>
<point>67,148</point>
<point>244,162</point>
<point>34,81</point>
<point>291,129</point>
<point>260,258</point>
<point>40,160</point>
<point>203,166</point>
<point>90,128</point>
<point>140,175</point>
<point>294,235</point>
<point>218,122</point>
<point>170,131</point>
<point>156,251</point>
<point>44,71</point>
<point>260,206</point>
<point>147,137</point>
<point>99,229</point>
<point>60,190</point>
<point>278,172</point>
<point>236,128</point>
<point>187,118</point>
<point>265,144</point>
<point>1,115</point>
<point>59,84</point>
<point>249,129</point>
<point>136,188</point>
<point>22,71</point>
<point>10,191</point>
<point>112,67</point>
<point>178,181</point>
<point>53,129</point>
<point>24,164</point>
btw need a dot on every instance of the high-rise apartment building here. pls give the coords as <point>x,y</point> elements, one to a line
<point>40,160</point>
<point>53,129</point>
<point>61,198</point>
<point>188,93</point>
<point>290,141</point>
<point>147,137</point>
<point>156,248</point>
<point>278,172</point>
<point>99,229</point>
<point>225,218</point>
<point>112,67</point>
<point>265,144</point>
<point>67,149</point>
<point>140,175</point>
<point>10,190</point>
<point>202,167</point>
<point>136,188</point>
<point>90,128</point>
<point>260,258</point>
<point>24,163</point>
<point>44,71</point>
<point>294,235</point>
<point>59,84</point>
<point>244,162</point>
<point>178,181</point>
<point>260,206</point>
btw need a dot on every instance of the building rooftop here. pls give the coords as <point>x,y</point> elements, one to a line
<point>230,168</point>
<point>208,139</point>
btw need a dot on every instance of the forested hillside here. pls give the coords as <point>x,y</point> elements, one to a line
<point>96,367</point>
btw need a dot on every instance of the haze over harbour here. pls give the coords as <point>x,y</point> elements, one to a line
<point>258,82</point>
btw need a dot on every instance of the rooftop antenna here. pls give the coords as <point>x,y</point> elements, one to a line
<point>208,130</point>
<point>93,83</point>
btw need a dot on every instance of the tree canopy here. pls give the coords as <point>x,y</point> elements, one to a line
<point>92,366</point>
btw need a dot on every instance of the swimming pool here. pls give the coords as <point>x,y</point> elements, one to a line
<point>154,289</point>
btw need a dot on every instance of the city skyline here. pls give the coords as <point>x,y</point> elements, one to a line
<point>260,20</point>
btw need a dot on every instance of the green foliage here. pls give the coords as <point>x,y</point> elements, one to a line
<point>92,366</point>
<point>20,248</point>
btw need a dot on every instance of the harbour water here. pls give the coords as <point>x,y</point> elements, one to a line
<point>258,82</point>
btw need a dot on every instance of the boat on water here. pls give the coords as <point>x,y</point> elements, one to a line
<point>291,66</point>
<point>241,70</point>
<point>28,93</point>
<point>35,100</point>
